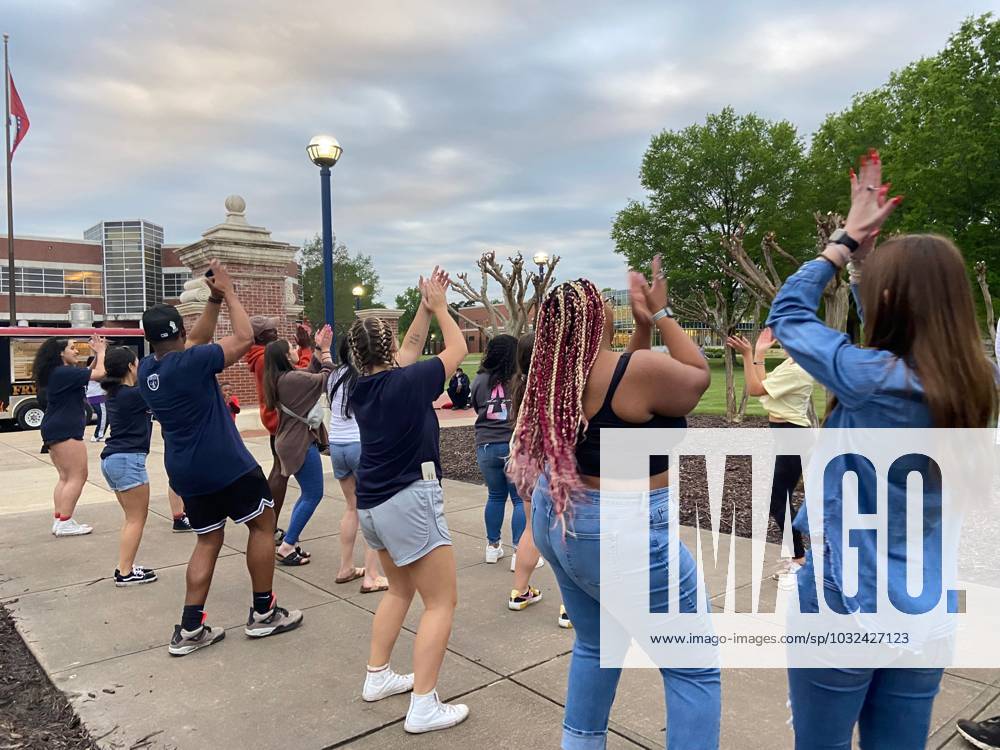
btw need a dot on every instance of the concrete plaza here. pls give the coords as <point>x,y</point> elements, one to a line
<point>106,647</point>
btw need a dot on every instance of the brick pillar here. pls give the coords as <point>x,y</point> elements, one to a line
<point>260,269</point>
<point>389,316</point>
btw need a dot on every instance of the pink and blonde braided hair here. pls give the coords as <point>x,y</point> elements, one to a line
<point>568,337</point>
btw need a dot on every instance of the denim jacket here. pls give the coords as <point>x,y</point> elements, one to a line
<point>874,388</point>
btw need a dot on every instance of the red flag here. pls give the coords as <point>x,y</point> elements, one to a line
<point>19,114</point>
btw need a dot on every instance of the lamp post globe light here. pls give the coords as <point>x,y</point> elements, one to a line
<point>358,292</point>
<point>541,258</point>
<point>325,151</point>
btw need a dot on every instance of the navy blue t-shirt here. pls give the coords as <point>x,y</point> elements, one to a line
<point>399,429</point>
<point>130,421</point>
<point>65,408</point>
<point>204,452</point>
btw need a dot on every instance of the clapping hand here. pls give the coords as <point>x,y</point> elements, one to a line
<point>764,342</point>
<point>434,289</point>
<point>324,337</point>
<point>870,204</point>
<point>98,343</point>
<point>738,344</point>
<point>654,295</point>
<point>218,279</point>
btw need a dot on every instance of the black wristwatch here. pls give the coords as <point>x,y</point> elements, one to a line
<point>841,237</point>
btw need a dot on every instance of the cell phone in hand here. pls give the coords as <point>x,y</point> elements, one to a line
<point>209,273</point>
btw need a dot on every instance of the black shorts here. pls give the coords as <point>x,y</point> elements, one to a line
<point>242,501</point>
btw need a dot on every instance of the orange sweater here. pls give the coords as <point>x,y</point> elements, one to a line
<point>255,361</point>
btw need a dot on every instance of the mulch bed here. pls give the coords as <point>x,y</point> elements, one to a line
<point>458,461</point>
<point>33,712</point>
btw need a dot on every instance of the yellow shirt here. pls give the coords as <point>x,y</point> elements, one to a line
<point>789,389</point>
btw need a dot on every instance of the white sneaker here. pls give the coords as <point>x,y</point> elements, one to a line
<point>385,682</point>
<point>427,713</point>
<point>70,527</point>
<point>786,577</point>
<point>493,554</point>
<point>55,525</point>
<point>513,562</point>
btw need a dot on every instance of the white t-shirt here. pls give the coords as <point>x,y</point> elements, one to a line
<point>94,389</point>
<point>341,429</point>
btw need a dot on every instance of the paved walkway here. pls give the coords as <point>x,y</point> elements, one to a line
<point>105,647</point>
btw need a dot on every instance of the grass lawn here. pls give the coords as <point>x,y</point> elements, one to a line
<point>714,400</point>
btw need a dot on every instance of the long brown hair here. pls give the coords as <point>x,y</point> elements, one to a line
<point>276,364</point>
<point>918,305</point>
<point>525,345</point>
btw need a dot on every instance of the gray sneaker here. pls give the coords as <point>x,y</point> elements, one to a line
<point>276,620</point>
<point>186,641</point>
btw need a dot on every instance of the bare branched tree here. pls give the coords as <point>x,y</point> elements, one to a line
<point>984,287</point>
<point>515,284</point>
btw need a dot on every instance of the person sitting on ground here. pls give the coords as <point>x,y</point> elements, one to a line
<point>400,502</point>
<point>265,330</point>
<point>295,394</point>
<point>61,384</point>
<point>123,460</point>
<point>785,393</point>
<point>458,390</point>
<point>206,460</point>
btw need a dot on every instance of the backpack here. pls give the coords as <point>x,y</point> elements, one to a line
<point>313,420</point>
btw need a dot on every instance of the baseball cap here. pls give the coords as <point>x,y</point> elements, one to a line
<point>261,323</point>
<point>162,322</point>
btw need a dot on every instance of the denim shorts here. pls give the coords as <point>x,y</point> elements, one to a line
<point>125,471</point>
<point>409,524</point>
<point>345,458</point>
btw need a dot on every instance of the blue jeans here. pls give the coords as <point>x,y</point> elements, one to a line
<point>310,479</point>
<point>693,696</point>
<point>892,707</point>
<point>492,458</point>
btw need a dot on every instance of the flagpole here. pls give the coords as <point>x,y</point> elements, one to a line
<point>10,197</point>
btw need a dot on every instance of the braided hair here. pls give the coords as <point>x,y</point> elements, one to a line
<point>568,338</point>
<point>372,345</point>
<point>500,359</point>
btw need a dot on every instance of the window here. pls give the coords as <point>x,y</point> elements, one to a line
<point>173,284</point>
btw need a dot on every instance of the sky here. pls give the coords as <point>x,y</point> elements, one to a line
<point>466,126</point>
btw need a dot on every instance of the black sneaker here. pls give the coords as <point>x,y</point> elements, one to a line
<point>982,734</point>
<point>276,620</point>
<point>186,641</point>
<point>182,524</point>
<point>138,575</point>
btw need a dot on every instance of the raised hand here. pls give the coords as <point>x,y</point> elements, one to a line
<point>433,291</point>
<point>764,342</point>
<point>220,282</point>
<point>438,279</point>
<point>870,204</point>
<point>324,337</point>
<point>738,344</point>
<point>98,343</point>
<point>637,288</point>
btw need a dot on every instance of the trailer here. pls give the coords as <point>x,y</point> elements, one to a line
<point>18,346</point>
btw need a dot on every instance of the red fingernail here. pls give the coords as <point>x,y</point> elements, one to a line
<point>897,200</point>
<point>864,160</point>
<point>852,173</point>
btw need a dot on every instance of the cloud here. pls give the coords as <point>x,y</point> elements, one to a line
<point>465,126</point>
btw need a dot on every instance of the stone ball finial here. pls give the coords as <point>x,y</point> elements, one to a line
<point>235,204</point>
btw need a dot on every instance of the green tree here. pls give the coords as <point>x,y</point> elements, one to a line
<point>731,177</point>
<point>936,123</point>
<point>409,302</point>
<point>349,271</point>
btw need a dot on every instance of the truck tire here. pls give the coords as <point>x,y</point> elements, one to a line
<point>29,414</point>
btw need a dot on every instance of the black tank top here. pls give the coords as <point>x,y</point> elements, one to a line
<point>588,449</point>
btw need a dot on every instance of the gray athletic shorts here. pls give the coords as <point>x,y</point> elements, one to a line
<point>409,524</point>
